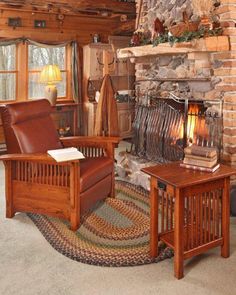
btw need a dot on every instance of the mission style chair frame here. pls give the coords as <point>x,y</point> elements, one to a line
<point>36,183</point>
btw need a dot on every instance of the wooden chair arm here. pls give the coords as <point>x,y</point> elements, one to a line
<point>101,142</point>
<point>89,140</point>
<point>40,158</point>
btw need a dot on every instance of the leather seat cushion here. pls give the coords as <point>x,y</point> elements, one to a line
<point>92,170</point>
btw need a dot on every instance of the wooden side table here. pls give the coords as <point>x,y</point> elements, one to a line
<point>194,208</point>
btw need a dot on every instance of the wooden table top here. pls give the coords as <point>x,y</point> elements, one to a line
<point>180,177</point>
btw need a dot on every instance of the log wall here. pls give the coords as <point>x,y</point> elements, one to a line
<point>80,28</point>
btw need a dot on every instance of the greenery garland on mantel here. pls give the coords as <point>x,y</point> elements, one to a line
<point>145,39</point>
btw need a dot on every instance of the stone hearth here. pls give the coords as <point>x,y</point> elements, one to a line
<point>128,168</point>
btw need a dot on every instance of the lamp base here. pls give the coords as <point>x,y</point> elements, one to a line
<point>51,94</point>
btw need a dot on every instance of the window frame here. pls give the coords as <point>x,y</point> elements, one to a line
<point>16,72</point>
<point>22,74</point>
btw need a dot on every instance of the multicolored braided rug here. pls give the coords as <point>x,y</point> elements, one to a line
<point>115,233</point>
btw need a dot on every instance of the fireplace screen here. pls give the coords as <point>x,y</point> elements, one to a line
<point>163,129</point>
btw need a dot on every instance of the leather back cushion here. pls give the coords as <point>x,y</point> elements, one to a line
<point>28,127</point>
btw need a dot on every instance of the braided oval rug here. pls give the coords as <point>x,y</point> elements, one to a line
<point>115,233</point>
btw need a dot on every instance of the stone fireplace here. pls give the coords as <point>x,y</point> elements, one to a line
<point>163,128</point>
<point>200,72</point>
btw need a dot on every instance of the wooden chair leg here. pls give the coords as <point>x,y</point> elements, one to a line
<point>74,197</point>
<point>10,213</point>
<point>8,187</point>
<point>74,222</point>
<point>75,217</point>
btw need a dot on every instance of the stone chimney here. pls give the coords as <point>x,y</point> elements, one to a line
<point>206,75</point>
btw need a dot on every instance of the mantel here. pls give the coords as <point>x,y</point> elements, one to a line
<point>208,44</point>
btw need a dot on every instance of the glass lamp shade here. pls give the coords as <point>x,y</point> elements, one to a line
<point>50,75</point>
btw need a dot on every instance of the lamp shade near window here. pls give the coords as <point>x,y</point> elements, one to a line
<point>50,75</point>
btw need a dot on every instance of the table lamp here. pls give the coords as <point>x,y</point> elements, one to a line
<point>50,75</point>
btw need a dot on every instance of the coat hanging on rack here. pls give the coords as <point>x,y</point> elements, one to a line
<point>106,123</point>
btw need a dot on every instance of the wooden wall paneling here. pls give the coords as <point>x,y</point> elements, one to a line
<point>72,27</point>
<point>124,28</point>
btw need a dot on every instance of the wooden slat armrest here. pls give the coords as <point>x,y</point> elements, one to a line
<point>106,143</point>
<point>90,140</point>
<point>26,157</point>
<point>40,158</point>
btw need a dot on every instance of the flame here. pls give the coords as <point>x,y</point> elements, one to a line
<point>193,121</point>
<point>196,125</point>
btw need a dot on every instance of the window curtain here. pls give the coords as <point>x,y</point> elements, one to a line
<point>76,73</point>
<point>48,44</point>
<point>7,42</point>
<point>77,82</point>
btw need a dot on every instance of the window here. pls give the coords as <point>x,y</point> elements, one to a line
<point>8,73</point>
<point>20,67</point>
<point>39,57</point>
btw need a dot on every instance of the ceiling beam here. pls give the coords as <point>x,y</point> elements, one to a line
<point>111,6</point>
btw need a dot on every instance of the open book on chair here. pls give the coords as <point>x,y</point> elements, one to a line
<point>66,154</point>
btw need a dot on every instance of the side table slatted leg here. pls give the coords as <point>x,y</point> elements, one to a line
<point>225,218</point>
<point>154,218</point>
<point>179,235</point>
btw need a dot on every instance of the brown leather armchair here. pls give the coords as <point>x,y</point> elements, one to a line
<point>35,182</point>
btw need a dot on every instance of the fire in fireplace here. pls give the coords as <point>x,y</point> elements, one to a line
<point>163,128</point>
